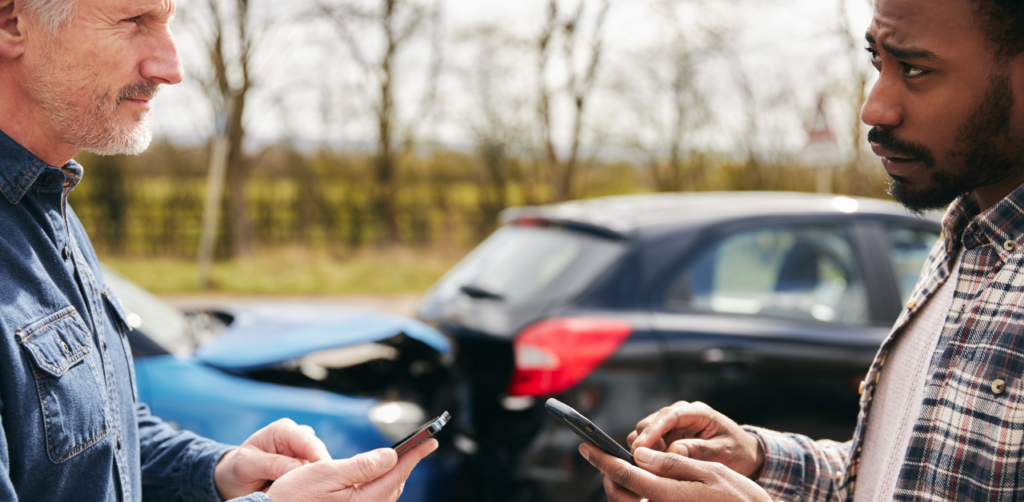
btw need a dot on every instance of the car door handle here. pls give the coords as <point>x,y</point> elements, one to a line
<point>726,356</point>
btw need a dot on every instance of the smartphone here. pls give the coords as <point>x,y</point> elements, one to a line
<point>586,429</point>
<point>425,431</point>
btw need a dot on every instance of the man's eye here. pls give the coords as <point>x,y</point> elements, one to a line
<point>874,56</point>
<point>133,20</point>
<point>913,71</point>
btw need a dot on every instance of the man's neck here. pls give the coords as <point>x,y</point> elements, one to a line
<point>989,195</point>
<point>23,120</point>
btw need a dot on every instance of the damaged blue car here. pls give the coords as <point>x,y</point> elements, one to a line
<point>362,380</point>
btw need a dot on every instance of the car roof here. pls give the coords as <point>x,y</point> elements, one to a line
<point>625,214</point>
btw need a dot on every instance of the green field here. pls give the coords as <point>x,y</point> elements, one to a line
<point>295,271</point>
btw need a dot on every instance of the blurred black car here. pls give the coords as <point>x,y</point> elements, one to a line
<point>767,306</point>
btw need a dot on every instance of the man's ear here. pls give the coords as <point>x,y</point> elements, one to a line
<point>12,29</point>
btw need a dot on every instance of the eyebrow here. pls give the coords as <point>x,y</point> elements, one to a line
<point>911,52</point>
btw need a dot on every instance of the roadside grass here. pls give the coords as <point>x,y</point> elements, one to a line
<point>295,271</point>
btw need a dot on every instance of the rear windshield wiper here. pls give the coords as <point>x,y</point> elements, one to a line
<point>477,292</point>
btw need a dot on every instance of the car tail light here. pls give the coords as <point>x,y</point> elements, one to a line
<point>553,355</point>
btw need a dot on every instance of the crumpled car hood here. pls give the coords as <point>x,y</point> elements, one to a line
<point>263,336</point>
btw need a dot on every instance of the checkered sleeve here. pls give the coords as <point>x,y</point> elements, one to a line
<point>797,468</point>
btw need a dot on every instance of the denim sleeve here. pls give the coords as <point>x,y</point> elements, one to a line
<point>799,468</point>
<point>177,466</point>
<point>6,487</point>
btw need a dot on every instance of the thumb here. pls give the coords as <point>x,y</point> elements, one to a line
<point>671,466</point>
<point>260,465</point>
<point>362,468</point>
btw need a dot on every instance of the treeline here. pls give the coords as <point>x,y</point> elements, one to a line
<point>542,100</point>
<point>153,204</point>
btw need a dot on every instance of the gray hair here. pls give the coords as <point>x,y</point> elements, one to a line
<point>52,14</point>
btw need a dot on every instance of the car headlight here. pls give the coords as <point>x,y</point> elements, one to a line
<point>397,419</point>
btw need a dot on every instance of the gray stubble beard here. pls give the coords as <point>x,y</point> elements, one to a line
<point>96,129</point>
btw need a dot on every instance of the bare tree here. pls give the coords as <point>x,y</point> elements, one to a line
<point>581,58</point>
<point>662,93</point>
<point>397,24</point>
<point>500,130</point>
<point>230,33</point>
<point>856,93</point>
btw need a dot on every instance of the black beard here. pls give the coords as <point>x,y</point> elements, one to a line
<point>983,149</point>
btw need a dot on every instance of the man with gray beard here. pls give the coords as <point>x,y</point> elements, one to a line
<point>80,75</point>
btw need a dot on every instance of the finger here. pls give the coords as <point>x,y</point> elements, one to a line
<point>641,425</point>
<point>298,441</point>
<point>380,488</point>
<point>633,478</point>
<point>255,465</point>
<point>698,449</point>
<point>616,493</point>
<point>658,446</point>
<point>314,449</point>
<point>686,417</point>
<point>362,468</point>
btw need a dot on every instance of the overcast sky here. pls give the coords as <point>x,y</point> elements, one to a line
<point>308,88</point>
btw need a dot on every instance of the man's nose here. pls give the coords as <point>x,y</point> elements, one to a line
<point>161,63</point>
<point>883,106</point>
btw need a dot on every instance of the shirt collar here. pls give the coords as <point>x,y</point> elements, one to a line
<point>20,168</point>
<point>1002,225</point>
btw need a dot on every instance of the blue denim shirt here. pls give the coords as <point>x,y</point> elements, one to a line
<point>72,426</point>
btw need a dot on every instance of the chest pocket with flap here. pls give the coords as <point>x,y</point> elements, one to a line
<point>71,396</point>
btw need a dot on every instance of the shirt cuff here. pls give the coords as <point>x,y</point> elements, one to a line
<point>777,461</point>
<point>254,497</point>
<point>198,484</point>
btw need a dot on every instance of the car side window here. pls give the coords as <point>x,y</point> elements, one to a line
<point>798,272</point>
<point>908,250</point>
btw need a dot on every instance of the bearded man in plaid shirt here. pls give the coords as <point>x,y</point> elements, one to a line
<point>942,408</point>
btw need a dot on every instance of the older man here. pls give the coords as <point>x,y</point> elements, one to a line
<point>942,408</point>
<point>79,75</point>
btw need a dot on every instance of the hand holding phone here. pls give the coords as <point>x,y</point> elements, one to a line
<point>425,431</point>
<point>586,429</point>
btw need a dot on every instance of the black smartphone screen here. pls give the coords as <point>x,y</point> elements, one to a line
<point>586,429</point>
<point>422,434</point>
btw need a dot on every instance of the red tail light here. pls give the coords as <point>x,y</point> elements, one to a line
<point>556,354</point>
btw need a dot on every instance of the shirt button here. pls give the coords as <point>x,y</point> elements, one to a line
<point>998,386</point>
<point>839,477</point>
<point>66,252</point>
<point>861,390</point>
<point>50,180</point>
<point>1009,245</point>
<point>911,304</point>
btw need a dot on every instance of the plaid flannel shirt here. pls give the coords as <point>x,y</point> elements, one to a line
<point>968,440</point>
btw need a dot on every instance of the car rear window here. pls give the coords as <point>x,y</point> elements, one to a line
<point>520,264</point>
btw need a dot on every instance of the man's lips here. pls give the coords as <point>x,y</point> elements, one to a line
<point>139,101</point>
<point>894,163</point>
